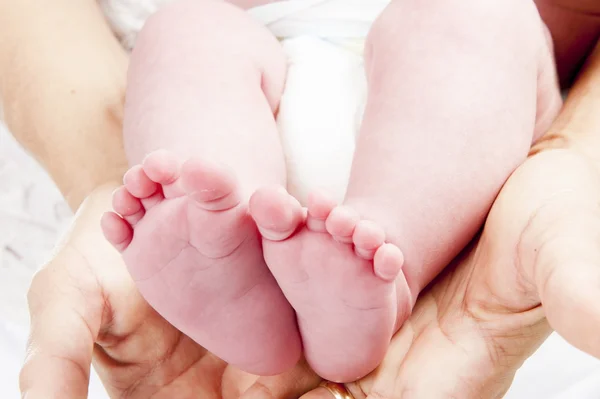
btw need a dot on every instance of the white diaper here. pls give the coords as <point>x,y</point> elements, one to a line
<point>323,102</point>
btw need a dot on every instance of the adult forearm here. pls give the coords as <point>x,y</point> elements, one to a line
<point>62,80</point>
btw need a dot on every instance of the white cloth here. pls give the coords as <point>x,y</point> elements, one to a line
<point>327,19</point>
<point>323,102</point>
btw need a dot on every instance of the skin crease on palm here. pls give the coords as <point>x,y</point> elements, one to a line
<point>482,314</point>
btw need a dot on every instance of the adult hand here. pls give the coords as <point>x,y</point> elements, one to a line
<point>85,308</point>
<point>467,336</point>
<point>535,267</point>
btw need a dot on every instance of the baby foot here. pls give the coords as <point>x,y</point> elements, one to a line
<point>195,255</point>
<point>343,280</point>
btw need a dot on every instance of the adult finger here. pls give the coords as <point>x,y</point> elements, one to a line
<point>567,275</point>
<point>554,216</point>
<point>66,308</point>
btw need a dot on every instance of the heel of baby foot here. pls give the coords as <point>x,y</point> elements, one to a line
<point>276,213</point>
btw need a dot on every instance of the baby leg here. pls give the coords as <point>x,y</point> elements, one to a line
<point>204,83</point>
<point>452,108</point>
<point>458,91</point>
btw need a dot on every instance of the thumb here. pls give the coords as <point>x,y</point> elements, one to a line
<point>566,272</point>
<point>66,312</point>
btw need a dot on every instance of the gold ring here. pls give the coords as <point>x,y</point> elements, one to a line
<point>338,391</point>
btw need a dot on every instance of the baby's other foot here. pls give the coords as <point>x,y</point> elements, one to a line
<point>343,280</point>
<point>195,255</point>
